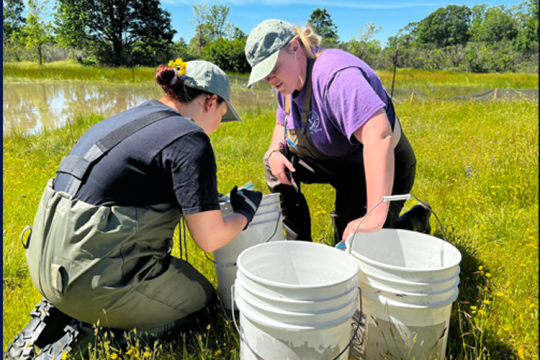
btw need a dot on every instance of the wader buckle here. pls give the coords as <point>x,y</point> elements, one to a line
<point>25,245</point>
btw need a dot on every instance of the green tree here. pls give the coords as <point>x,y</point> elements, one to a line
<point>13,20</point>
<point>202,30</point>
<point>445,27</point>
<point>236,33</point>
<point>37,32</point>
<point>365,45</point>
<point>323,24</point>
<point>406,37</point>
<point>180,47</point>
<point>228,54</point>
<point>493,24</point>
<point>217,21</point>
<point>113,27</point>
<point>526,15</point>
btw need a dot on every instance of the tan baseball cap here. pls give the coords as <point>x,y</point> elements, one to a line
<point>263,45</point>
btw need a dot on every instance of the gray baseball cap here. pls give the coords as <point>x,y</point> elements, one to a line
<point>206,76</point>
<point>263,45</point>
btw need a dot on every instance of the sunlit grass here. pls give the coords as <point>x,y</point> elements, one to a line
<point>443,83</point>
<point>477,167</point>
<point>447,83</point>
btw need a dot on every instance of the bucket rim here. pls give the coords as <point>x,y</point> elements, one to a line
<point>290,312</point>
<point>289,300</point>
<point>399,268</point>
<point>290,286</point>
<point>413,294</point>
<point>394,303</point>
<point>353,285</point>
<point>413,283</point>
<point>251,315</point>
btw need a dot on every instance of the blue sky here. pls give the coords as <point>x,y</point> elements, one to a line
<point>349,15</point>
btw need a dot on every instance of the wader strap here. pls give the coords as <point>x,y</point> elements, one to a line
<point>309,92</point>
<point>77,166</point>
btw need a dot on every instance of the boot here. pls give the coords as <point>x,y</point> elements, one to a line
<point>50,331</point>
<point>416,219</point>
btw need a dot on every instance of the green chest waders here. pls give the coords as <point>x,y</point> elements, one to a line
<point>111,263</point>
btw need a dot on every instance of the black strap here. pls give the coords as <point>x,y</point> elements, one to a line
<point>77,166</point>
<point>309,91</point>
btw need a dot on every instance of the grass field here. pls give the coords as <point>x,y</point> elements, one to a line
<point>477,167</point>
<point>435,84</point>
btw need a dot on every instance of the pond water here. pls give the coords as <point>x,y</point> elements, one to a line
<point>33,107</point>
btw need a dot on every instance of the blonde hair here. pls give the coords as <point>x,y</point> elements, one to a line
<point>308,38</point>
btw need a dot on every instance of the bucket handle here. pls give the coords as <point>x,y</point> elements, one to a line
<point>229,264</point>
<point>395,198</point>
<point>241,332</point>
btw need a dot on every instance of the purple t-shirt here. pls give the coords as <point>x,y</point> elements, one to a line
<point>346,94</point>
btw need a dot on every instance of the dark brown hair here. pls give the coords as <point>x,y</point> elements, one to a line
<point>174,87</point>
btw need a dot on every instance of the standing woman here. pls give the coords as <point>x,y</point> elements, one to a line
<point>99,251</point>
<point>336,125</point>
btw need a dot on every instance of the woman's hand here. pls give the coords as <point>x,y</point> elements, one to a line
<point>278,163</point>
<point>371,223</point>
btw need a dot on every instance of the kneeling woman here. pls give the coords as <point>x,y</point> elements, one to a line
<point>101,241</point>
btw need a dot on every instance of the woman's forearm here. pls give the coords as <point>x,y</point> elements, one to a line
<point>277,136</point>
<point>376,136</point>
<point>211,231</point>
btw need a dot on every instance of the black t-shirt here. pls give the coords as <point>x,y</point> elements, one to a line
<point>169,161</point>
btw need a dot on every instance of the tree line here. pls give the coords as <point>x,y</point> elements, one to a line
<point>139,32</point>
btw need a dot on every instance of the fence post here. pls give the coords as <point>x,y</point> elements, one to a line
<point>495,94</point>
<point>412,95</point>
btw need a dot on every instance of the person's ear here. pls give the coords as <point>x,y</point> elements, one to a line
<point>209,99</point>
<point>295,46</point>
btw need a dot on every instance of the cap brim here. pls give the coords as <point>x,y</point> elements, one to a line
<point>231,114</point>
<point>262,69</point>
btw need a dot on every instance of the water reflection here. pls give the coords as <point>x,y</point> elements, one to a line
<point>34,107</point>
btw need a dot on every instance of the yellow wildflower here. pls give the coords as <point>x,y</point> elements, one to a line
<point>500,294</point>
<point>180,65</point>
<point>488,275</point>
<point>486,302</point>
<point>505,328</point>
<point>217,353</point>
<point>114,356</point>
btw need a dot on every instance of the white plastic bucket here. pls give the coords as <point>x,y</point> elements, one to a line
<point>286,304</point>
<point>279,344</point>
<point>382,283</point>
<point>267,225</point>
<point>289,324</point>
<point>409,281</point>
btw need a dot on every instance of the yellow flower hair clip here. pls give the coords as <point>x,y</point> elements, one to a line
<point>180,66</point>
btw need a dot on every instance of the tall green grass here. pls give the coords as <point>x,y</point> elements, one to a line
<point>477,167</point>
<point>443,83</point>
